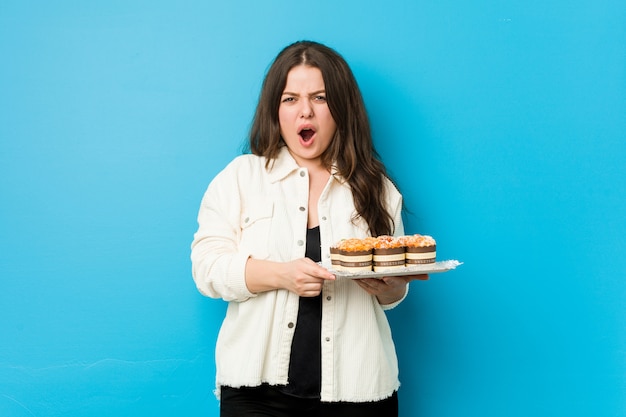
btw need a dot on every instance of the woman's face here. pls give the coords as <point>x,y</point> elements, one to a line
<point>306,124</point>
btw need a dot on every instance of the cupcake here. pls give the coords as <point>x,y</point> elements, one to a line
<point>335,257</point>
<point>352,255</point>
<point>388,254</point>
<point>420,249</point>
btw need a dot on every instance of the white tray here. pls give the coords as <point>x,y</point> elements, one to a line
<point>437,267</point>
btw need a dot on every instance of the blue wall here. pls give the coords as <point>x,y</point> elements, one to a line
<point>503,122</point>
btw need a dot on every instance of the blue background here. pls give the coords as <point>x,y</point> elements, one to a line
<point>504,124</point>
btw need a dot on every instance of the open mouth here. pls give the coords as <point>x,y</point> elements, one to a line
<point>306,133</point>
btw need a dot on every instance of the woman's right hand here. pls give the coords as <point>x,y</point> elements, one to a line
<point>301,276</point>
<point>305,277</point>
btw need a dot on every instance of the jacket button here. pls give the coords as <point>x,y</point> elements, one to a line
<point>329,298</point>
<point>302,174</point>
<point>324,218</point>
<point>290,325</point>
<point>328,339</point>
<point>300,242</point>
<point>302,209</point>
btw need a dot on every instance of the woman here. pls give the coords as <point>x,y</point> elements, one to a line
<point>296,340</point>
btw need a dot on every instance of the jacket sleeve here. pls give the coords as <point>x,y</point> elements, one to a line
<point>218,264</point>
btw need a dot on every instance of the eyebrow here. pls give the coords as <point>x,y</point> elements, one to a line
<point>288,93</point>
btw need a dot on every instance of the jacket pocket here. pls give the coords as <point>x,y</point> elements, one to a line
<point>256,227</point>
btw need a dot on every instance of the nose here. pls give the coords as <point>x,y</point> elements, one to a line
<point>307,110</point>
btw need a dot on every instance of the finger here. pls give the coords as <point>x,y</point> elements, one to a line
<point>421,277</point>
<point>368,288</point>
<point>324,273</point>
<point>369,282</point>
<point>406,278</point>
<point>319,271</point>
<point>371,285</point>
<point>395,282</point>
<point>312,290</point>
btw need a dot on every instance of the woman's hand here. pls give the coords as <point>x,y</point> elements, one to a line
<point>302,276</point>
<point>388,290</point>
<point>305,277</point>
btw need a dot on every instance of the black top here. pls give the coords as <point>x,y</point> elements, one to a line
<point>305,366</point>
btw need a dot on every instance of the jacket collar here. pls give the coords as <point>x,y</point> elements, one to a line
<point>284,164</point>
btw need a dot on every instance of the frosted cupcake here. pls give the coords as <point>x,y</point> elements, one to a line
<point>352,255</point>
<point>420,249</point>
<point>388,254</point>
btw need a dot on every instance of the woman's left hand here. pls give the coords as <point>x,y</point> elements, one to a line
<point>388,290</point>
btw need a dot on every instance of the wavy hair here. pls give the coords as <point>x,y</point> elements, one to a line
<point>351,151</point>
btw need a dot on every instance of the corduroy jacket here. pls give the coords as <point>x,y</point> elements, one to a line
<point>250,211</point>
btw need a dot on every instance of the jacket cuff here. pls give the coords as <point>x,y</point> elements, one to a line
<point>237,278</point>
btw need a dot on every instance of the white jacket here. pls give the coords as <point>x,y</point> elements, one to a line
<point>251,211</point>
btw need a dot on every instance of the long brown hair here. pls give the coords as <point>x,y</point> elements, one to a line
<point>351,151</point>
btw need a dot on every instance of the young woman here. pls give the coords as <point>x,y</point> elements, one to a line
<point>296,341</point>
